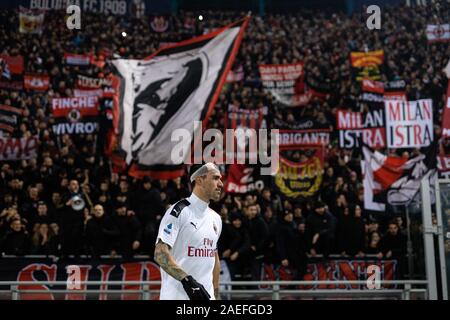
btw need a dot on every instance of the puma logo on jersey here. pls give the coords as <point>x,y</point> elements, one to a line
<point>179,206</point>
<point>195,226</point>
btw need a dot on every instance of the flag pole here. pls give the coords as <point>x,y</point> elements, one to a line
<point>409,245</point>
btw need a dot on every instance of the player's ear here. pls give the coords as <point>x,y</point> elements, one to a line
<point>198,181</point>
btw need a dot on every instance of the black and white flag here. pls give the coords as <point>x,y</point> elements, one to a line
<point>170,90</point>
<point>395,180</point>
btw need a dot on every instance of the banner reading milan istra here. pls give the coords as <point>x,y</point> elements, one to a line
<point>367,126</point>
<point>409,124</point>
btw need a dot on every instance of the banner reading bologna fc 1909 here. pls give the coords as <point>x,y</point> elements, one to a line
<point>172,89</point>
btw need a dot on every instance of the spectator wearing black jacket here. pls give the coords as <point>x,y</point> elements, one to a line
<point>128,242</point>
<point>42,215</point>
<point>148,204</point>
<point>43,241</point>
<point>72,220</point>
<point>303,247</point>
<point>236,251</point>
<point>16,241</point>
<point>268,200</point>
<point>29,207</point>
<point>270,254</point>
<point>259,236</point>
<point>149,208</point>
<point>224,238</point>
<point>174,190</point>
<point>373,245</point>
<point>321,226</point>
<point>100,232</point>
<point>287,242</point>
<point>393,244</point>
<point>350,231</point>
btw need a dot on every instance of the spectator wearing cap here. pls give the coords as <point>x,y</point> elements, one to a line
<point>100,232</point>
<point>321,227</point>
<point>259,236</point>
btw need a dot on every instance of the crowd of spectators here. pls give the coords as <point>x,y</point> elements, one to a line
<point>122,214</point>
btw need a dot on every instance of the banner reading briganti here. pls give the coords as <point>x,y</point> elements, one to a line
<point>289,139</point>
<point>409,124</point>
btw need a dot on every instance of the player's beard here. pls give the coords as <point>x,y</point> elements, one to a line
<point>215,195</point>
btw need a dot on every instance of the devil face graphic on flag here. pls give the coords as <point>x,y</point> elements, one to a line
<point>172,89</point>
<point>156,104</point>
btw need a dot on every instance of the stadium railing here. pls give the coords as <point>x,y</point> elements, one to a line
<point>233,290</point>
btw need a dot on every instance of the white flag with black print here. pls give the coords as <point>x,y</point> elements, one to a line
<point>395,180</point>
<point>170,90</point>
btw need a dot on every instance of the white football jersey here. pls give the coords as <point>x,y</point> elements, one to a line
<point>192,230</point>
